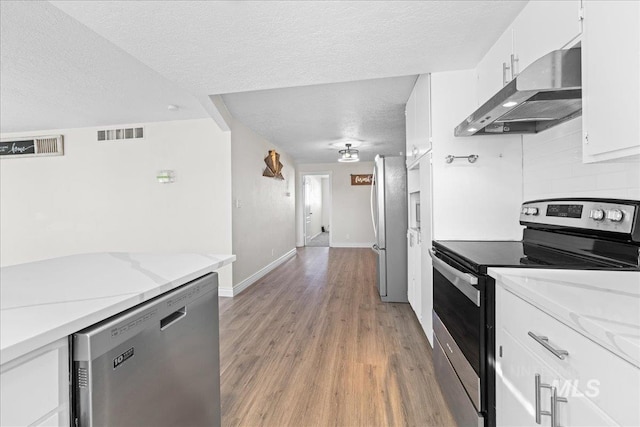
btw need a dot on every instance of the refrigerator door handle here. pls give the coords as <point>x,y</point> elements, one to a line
<point>373,218</point>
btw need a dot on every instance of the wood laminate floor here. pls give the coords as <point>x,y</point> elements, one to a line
<point>311,344</point>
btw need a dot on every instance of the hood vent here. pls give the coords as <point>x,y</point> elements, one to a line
<point>547,93</point>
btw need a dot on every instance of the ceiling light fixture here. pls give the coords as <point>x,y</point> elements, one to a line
<point>349,154</point>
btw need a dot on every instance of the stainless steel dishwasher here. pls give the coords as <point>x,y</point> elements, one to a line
<point>156,364</point>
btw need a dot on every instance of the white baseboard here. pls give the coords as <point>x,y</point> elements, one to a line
<point>258,274</point>
<point>351,245</point>
<point>313,237</point>
<point>225,292</point>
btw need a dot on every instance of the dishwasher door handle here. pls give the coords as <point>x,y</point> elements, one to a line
<point>172,318</point>
<point>461,280</point>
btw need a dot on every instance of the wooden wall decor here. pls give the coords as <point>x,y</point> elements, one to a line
<point>363,179</point>
<point>274,167</point>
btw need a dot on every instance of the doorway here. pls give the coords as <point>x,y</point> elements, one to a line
<point>317,209</point>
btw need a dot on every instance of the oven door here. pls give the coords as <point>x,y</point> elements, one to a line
<point>459,331</point>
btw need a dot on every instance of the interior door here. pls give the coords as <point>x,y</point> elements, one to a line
<point>307,209</point>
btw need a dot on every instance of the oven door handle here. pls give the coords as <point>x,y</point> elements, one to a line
<point>463,281</point>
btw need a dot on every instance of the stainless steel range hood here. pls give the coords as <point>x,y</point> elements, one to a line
<point>548,92</point>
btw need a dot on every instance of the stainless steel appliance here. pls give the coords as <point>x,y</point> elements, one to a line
<point>578,234</point>
<point>156,364</point>
<point>389,216</point>
<point>547,93</point>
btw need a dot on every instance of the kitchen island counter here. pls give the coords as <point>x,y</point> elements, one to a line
<point>44,301</point>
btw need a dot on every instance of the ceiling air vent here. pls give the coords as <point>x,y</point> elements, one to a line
<point>32,146</point>
<point>121,133</point>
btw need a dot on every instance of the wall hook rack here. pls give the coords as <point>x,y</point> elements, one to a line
<point>471,158</point>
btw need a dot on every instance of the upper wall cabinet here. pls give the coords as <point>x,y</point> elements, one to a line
<point>541,27</point>
<point>418,125</point>
<point>491,71</point>
<point>611,80</point>
<point>545,26</point>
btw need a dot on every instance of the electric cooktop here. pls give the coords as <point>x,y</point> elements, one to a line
<point>585,234</point>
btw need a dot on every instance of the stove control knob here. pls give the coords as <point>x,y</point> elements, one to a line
<point>533,211</point>
<point>596,214</point>
<point>524,211</point>
<point>615,215</point>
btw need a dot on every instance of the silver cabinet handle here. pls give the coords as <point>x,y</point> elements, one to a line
<point>544,341</point>
<point>514,66</point>
<point>554,406</point>
<point>539,411</point>
<point>553,413</point>
<point>505,79</point>
<point>463,281</point>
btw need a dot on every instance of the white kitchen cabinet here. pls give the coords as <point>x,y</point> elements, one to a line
<point>410,123</point>
<point>516,394</point>
<point>589,377</point>
<point>544,26</point>
<point>426,235</point>
<point>418,120</point>
<point>35,387</point>
<point>489,71</point>
<point>413,240</point>
<point>611,80</point>
<point>53,421</point>
<point>414,271</point>
<point>541,27</point>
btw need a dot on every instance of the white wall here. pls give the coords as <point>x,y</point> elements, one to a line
<point>326,203</point>
<point>553,168</point>
<point>350,205</point>
<point>103,196</point>
<point>471,201</point>
<point>264,224</point>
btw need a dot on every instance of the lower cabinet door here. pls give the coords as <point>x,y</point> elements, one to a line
<point>525,387</point>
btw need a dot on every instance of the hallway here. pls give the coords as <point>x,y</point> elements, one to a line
<point>312,344</point>
<point>320,241</point>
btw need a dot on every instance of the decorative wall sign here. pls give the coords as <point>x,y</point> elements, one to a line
<point>49,145</point>
<point>274,167</point>
<point>364,179</point>
<point>17,148</point>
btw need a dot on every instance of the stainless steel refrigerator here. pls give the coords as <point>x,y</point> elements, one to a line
<point>156,364</point>
<point>389,215</point>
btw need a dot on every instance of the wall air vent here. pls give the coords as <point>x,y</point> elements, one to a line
<point>32,146</point>
<point>120,133</point>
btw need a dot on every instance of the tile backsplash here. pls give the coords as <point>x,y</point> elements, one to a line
<point>552,167</point>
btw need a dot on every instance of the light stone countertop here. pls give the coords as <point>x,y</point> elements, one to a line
<point>604,306</point>
<point>43,301</point>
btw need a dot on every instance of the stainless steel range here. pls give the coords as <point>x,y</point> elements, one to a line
<point>579,234</point>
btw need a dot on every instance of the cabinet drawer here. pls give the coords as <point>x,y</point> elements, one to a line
<point>34,385</point>
<point>607,380</point>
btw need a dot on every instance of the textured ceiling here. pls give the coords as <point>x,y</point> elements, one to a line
<point>305,121</point>
<point>220,47</point>
<point>58,74</point>
<point>88,63</point>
